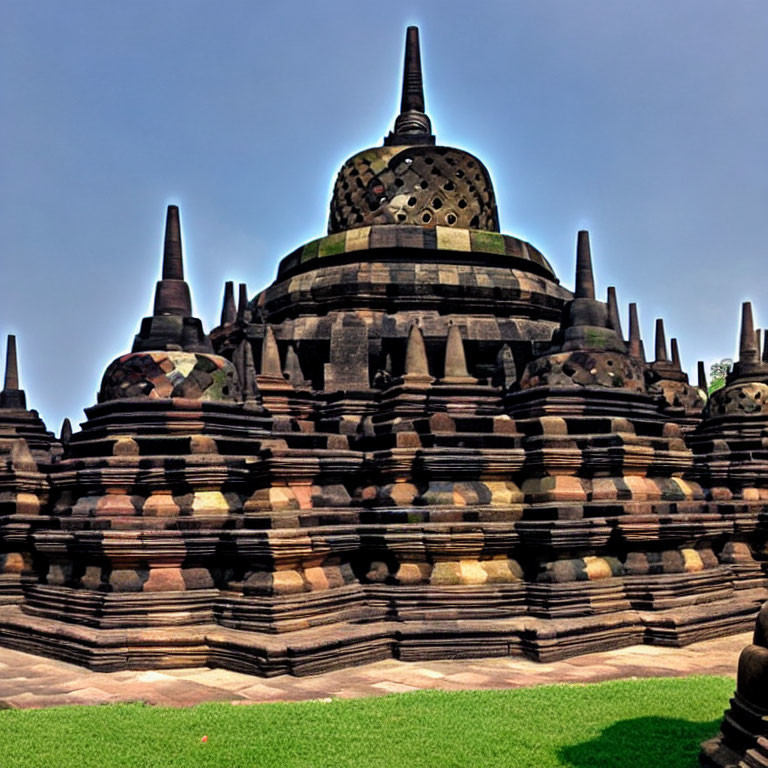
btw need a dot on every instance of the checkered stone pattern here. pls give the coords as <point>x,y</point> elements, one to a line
<point>549,520</point>
<point>169,374</point>
<point>453,243</point>
<point>27,449</point>
<point>386,455</point>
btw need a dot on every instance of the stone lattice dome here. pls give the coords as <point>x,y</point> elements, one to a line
<point>423,185</point>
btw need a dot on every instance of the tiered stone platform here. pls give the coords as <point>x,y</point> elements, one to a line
<point>29,682</point>
<point>414,443</point>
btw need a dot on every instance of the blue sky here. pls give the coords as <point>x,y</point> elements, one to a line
<point>645,123</point>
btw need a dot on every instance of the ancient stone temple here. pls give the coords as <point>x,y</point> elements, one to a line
<point>414,442</point>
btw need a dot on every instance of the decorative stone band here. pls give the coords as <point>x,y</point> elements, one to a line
<point>452,243</point>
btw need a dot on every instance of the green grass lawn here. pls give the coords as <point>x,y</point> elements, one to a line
<point>638,723</point>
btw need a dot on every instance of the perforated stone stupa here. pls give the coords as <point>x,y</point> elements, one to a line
<point>414,442</point>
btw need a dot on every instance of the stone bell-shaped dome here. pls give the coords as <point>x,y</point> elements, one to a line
<point>172,357</point>
<point>410,180</point>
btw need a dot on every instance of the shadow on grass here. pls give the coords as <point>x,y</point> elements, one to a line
<point>645,742</point>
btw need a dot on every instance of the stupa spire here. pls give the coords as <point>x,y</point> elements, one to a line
<point>661,342</point>
<point>11,365</point>
<point>172,295</point>
<point>702,376</point>
<point>613,312</point>
<point>228,310</point>
<point>413,82</point>
<point>455,357</point>
<point>11,396</point>
<point>293,370</point>
<point>66,432</point>
<point>242,303</point>
<point>585,279</point>
<point>270,355</point>
<point>173,264</point>
<point>416,353</point>
<point>635,341</point>
<point>748,346</point>
<point>172,325</point>
<point>412,124</point>
<point>676,363</point>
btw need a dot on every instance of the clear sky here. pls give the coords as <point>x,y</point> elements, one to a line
<point>644,122</point>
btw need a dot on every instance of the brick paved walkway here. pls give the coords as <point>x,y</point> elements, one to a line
<point>32,681</point>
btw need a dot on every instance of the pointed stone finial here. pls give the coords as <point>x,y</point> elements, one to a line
<point>413,85</point>
<point>270,355</point>
<point>505,374</point>
<point>759,340</point>
<point>585,280</point>
<point>172,295</point>
<point>661,342</point>
<point>636,349</point>
<point>238,360</point>
<point>173,264</point>
<point>702,376</point>
<point>293,370</point>
<point>11,365</point>
<point>251,392</point>
<point>66,432</point>
<point>243,313</point>
<point>613,312</point>
<point>455,357</point>
<point>416,363</point>
<point>228,311</point>
<point>676,364</point>
<point>172,327</point>
<point>11,396</point>
<point>246,371</point>
<point>412,122</point>
<point>747,349</point>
